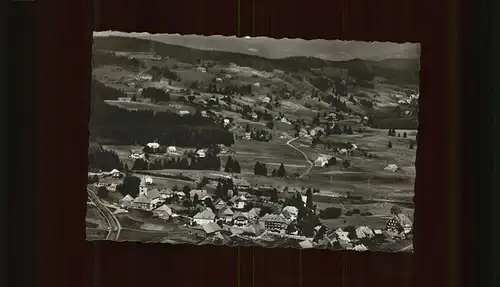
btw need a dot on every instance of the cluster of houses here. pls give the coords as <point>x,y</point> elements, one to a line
<point>236,217</point>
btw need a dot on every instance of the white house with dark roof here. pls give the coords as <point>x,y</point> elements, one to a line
<point>153,145</point>
<point>205,216</point>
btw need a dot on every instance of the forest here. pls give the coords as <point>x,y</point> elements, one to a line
<point>120,126</point>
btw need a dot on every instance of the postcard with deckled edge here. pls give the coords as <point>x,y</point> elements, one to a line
<point>253,141</point>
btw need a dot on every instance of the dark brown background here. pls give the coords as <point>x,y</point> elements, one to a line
<point>59,88</point>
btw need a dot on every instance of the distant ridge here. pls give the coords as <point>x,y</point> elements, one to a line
<point>332,50</point>
<point>402,70</point>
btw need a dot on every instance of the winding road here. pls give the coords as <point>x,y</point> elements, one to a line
<point>311,164</point>
<point>113,223</point>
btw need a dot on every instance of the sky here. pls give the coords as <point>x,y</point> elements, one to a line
<point>333,50</point>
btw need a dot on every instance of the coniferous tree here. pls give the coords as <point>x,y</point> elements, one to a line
<point>236,167</point>
<point>281,171</point>
<point>229,164</point>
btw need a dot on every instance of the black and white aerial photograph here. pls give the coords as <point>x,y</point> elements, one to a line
<point>253,141</point>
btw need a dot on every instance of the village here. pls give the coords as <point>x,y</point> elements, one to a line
<point>184,149</point>
<point>245,215</point>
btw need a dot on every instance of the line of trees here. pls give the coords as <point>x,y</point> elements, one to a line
<point>210,162</point>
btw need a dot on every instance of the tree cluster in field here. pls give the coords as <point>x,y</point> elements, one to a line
<point>156,95</point>
<point>130,186</point>
<point>280,172</point>
<point>337,103</point>
<point>260,169</point>
<point>330,213</point>
<point>232,165</point>
<point>121,126</point>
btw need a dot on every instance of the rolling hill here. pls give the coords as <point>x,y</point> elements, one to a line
<point>401,70</point>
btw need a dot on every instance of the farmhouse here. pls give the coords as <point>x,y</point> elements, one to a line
<point>166,193</point>
<point>201,69</point>
<point>239,202</point>
<point>153,194</point>
<point>148,180</point>
<point>405,222</point>
<point>201,153</point>
<point>171,149</point>
<point>241,184</point>
<point>290,212</point>
<point>391,168</point>
<point>364,232</point>
<point>253,214</point>
<point>136,154</point>
<point>115,173</point>
<point>184,113</point>
<point>153,145</point>
<point>274,222</point>
<point>112,187</point>
<point>226,214</point>
<point>126,201</point>
<point>163,212</point>
<point>266,100</point>
<point>321,161</point>
<point>211,228</point>
<point>218,80</point>
<point>203,217</point>
<point>240,219</point>
<point>141,202</point>
<point>342,236</point>
<point>257,85</point>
